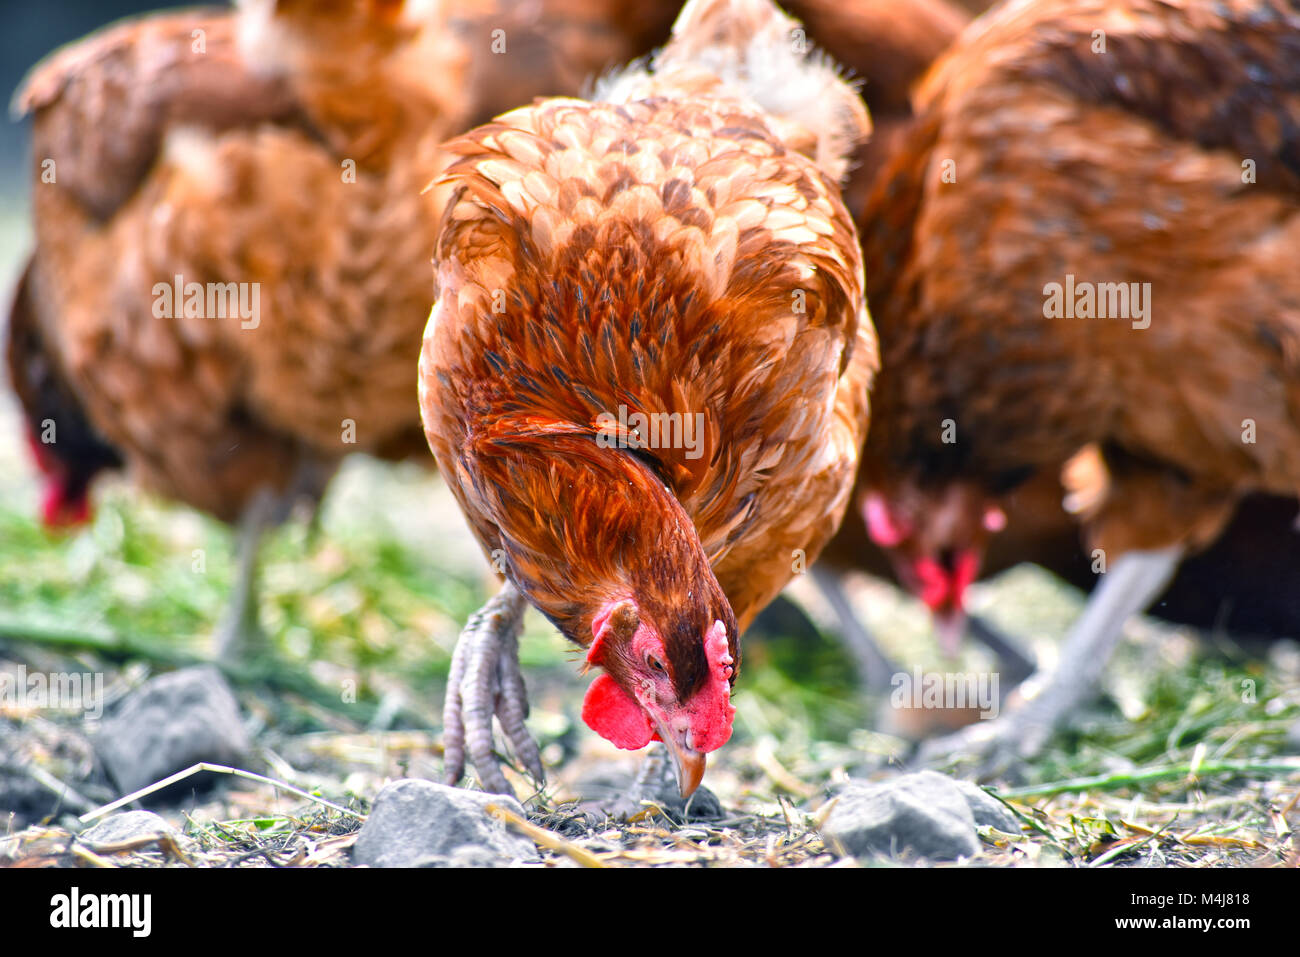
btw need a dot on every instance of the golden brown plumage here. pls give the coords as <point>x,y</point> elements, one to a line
<point>284,146</point>
<point>661,250</point>
<point>887,46</point>
<point>552,47</point>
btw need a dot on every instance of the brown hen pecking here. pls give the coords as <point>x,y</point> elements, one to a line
<point>646,374</point>
<point>1090,237</point>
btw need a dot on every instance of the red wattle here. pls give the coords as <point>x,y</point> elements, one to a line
<point>615,715</point>
<point>941,588</point>
<point>968,566</point>
<point>935,589</point>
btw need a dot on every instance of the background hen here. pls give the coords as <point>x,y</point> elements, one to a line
<point>191,152</point>
<point>1157,151</point>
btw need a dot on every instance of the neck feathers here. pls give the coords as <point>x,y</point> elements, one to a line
<point>581,525</point>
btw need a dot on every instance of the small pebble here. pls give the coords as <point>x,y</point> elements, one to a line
<point>125,826</point>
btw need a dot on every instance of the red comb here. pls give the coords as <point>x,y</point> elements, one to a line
<point>718,651</point>
<point>711,728</point>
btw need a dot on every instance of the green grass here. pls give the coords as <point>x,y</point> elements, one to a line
<point>371,598</point>
<point>376,592</point>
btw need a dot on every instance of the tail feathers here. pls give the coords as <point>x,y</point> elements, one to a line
<point>756,51</point>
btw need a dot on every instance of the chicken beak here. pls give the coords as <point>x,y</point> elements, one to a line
<point>950,628</point>
<point>687,762</point>
<point>690,770</point>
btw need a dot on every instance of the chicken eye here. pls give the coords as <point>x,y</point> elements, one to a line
<point>655,665</point>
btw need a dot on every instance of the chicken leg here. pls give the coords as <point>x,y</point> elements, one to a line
<point>1015,663</point>
<point>239,636</point>
<point>875,669</point>
<point>485,680</point>
<point>1129,587</point>
<point>240,633</point>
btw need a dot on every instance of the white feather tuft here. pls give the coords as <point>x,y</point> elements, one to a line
<point>758,54</point>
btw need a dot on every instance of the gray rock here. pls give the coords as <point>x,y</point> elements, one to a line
<point>420,823</point>
<point>987,810</point>
<point>925,813</point>
<point>467,855</point>
<point>170,723</point>
<point>26,799</point>
<point>126,826</point>
<point>610,791</point>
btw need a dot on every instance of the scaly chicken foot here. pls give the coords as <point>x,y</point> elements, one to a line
<point>998,746</point>
<point>485,680</point>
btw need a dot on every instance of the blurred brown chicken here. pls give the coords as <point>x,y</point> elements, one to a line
<point>1246,584</point>
<point>662,251</point>
<point>230,279</point>
<point>533,48</point>
<point>1088,239</point>
<point>228,211</point>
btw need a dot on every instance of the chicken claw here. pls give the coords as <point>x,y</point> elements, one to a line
<point>485,680</point>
